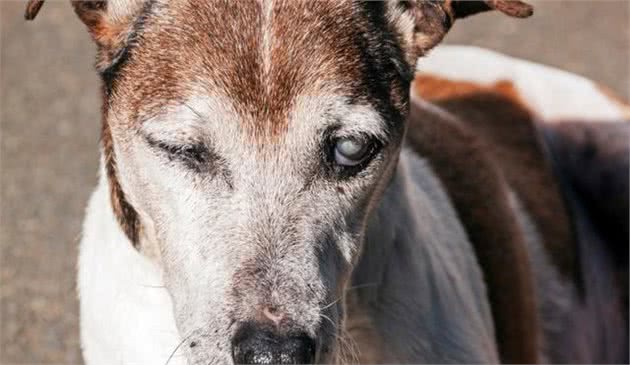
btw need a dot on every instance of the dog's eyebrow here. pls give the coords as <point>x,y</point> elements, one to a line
<point>199,106</point>
<point>361,119</point>
<point>184,122</point>
<point>193,110</point>
<point>174,128</point>
<point>350,118</point>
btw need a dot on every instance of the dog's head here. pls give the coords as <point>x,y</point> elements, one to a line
<point>247,142</point>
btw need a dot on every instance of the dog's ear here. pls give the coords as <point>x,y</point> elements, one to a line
<point>109,22</point>
<point>424,23</point>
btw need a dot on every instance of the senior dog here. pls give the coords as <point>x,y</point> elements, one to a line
<point>276,188</point>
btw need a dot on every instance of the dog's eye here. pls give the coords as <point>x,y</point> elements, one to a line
<point>194,156</point>
<point>351,151</point>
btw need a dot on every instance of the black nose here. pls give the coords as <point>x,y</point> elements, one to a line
<point>255,345</point>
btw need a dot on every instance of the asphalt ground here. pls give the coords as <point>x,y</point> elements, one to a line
<point>49,130</point>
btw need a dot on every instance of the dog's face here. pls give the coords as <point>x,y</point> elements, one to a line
<point>253,139</point>
<point>246,144</point>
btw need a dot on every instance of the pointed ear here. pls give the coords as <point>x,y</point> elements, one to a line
<point>109,22</point>
<point>424,23</point>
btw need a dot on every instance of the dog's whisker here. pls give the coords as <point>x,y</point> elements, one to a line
<point>328,318</point>
<point>330,304</point>
<point>359,286</point>
<point>347,348</point>
<point>348,352</point>
<point>179,345</point>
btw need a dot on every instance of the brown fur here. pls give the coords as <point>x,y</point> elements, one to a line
<point>500,118</point>
<point>314,50</point>
<point>32,9</point>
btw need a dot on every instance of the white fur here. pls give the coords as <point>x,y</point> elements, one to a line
<point>126,315</point>
<point>552,93</point>
<point>120,10</point>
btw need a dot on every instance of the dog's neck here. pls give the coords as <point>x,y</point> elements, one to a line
<point>415,222</point>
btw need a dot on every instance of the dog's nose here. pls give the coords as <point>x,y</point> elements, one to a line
<point>254,345</point>
<point>273,314</point>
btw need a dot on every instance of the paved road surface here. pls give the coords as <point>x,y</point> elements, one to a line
<point>49,132</point>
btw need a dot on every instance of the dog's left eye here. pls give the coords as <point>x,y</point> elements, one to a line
<point>351,151</point>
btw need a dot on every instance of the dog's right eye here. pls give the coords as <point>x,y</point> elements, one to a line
<point>195,156</point>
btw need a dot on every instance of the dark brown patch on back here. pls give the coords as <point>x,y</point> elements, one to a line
<point>479,192</point>
<point>496,114</point>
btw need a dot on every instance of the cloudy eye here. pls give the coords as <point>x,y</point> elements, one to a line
<point>351,151</point>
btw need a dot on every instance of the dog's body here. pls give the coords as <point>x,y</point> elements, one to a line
<point>418,294</point>
<point>264,201</point>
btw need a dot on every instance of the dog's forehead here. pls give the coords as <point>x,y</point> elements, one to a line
<point>261,55</point>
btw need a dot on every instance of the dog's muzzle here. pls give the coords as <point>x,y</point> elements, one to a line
<point>254,344</point>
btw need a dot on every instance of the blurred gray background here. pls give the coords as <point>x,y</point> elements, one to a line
<point>49,130</point>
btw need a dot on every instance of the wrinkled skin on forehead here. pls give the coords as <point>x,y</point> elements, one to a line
<point>263,220</point>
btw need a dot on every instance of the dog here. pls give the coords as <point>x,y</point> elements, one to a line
<point>279,185</point>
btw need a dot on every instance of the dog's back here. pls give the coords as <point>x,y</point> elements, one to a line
<point>567,183</point>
